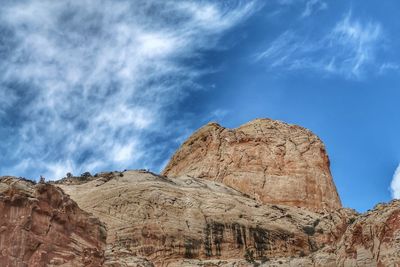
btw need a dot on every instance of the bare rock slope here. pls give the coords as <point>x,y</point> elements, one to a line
<point>373,239</point>
<point>158,221</point>
<point>167,220</point>
<point>41,226</point>
<point>268,160</point>
<point>258,195</point>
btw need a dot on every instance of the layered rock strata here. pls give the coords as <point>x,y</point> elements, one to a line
<point>270,161</point>
<point>158,221</point>
<point>373,239</point>
<point>166,220</point>
<point>41,226</point>
<point>258,195</point>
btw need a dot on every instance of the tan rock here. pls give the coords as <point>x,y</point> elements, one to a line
<point>237,209</point>
<point>166,220</point>
<point>373,239</point>
<point>268,160</point>
<point>41,226</point>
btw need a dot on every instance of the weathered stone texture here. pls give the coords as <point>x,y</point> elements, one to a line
<point>41,226</point>
<point>268,160</point>
<point>166,220</point>
<point>263,189</point>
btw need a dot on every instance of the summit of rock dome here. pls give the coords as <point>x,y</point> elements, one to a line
<point>271,161</point>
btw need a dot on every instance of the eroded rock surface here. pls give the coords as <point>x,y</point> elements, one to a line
<point>268,160</point>
<point>41,226</point>
<point>373,239</point>
<point>166,220</point>
<point>258,195</point>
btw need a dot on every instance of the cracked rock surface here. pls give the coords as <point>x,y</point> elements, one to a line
<point>42,226</point>
<point>258,195</point>
<point>167,220</point>
<point>373,239</point>
<point>159,221</point>
<point>270,161</point>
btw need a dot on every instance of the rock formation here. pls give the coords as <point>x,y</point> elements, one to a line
<point>373,239</point>
<point>158,221</point>
<point>169,219</point>
<point>41,226</point>
<point>268,160</point>
<point>258,195</point>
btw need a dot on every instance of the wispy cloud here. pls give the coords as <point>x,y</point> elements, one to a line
<point>388,66</point>
<point>313,6</point>
<point>86,83</point>
<point>309,7</point>
<point>361,40</point>
<point>348,49</point>
<point>395,184</point>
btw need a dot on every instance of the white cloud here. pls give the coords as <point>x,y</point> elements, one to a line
<point>349,49</point>
<point>58,169</point>
<point>124,154</point>
<point>313,6</point>
<point>100,77</point>
<point>309,7</point>
<point>361,39</point>
<point>395,184</point>
<point>388,66</point>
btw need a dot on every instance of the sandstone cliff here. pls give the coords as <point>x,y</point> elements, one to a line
<point>268,160</point>
<point>373,239</point>
<point>166,220</point>
<point>41,226</point>
<point>158,221</point>
<point>258,195</point>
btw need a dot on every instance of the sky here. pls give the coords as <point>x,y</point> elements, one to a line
<point>113,85</point>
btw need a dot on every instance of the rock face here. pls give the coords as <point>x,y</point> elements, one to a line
<point>158,221</point>
<point>268,160</point>
<point>41,226</point>
<point>373,239</point>
<point>259,195</point>
<point>167,220</point>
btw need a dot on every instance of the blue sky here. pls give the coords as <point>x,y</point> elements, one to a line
<point>115,85</point>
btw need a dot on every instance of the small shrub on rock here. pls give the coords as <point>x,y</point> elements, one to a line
<point>309,230</point>
<point>85,175</point>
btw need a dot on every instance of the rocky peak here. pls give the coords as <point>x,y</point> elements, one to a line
<point>270,161</point>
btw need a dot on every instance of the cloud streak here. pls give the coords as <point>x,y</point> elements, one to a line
<point>349,49</point>
<point>395,184</point>
<point>313,6</point>
<point>84,85</point>
<point>309,7</point>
